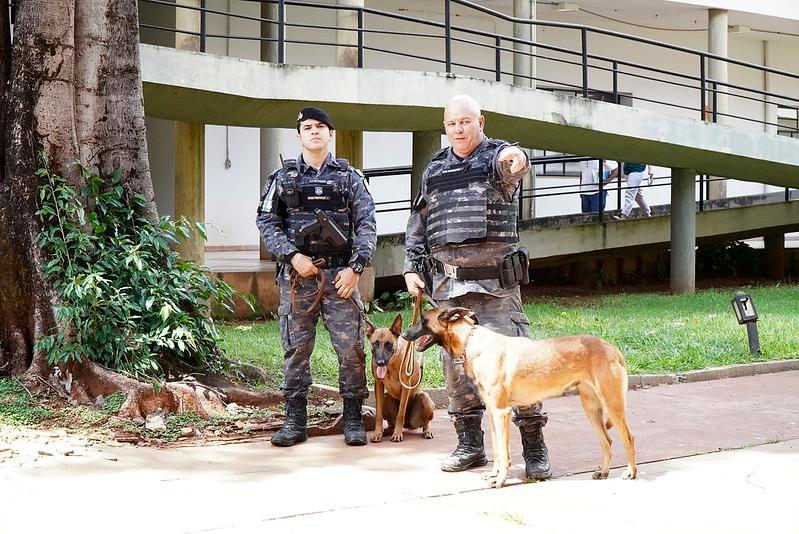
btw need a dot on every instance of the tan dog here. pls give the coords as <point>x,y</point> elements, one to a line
<point>517,371</point>
<point>400,406</point>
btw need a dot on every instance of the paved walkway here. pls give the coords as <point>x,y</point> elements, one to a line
<point>325,486</point>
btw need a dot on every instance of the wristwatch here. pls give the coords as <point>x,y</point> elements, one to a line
<point>356,267</point>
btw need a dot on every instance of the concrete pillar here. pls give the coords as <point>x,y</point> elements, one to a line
<point>524,69</point>
<point>190,184</point>
<point>717,70</point>
<point>190,146</point>
<point>683,231</point>
<point>775,255</point>
<point>425,144</point>
<point>270,137</point>
<point>349,144</point>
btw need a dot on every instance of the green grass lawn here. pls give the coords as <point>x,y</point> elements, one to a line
<point>657,333</point>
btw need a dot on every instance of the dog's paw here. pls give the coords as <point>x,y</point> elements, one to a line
<point>629,474</point>
<point>428,434</point>
<point>377,437</point>
<point>397,435</point>
<point>599,475</point>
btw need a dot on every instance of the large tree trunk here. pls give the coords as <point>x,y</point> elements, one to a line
<point>73,91</point>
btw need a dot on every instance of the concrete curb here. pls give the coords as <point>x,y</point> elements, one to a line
<point>439,395</point>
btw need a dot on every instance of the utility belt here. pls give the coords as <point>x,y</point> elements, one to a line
<point>513,270</point>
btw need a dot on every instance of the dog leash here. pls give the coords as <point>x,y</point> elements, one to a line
<point>406,366</point>
<point>296,280</point>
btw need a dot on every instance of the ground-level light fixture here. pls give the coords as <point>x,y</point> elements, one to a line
<point>746,313</point>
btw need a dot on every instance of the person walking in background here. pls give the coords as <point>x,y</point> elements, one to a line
<point>633,193</point>
<point>589,184</point>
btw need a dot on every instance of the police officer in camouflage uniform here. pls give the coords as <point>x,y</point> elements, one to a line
<point>462,230</point>
<point>298,197</point>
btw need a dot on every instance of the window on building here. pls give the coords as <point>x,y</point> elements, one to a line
<point>788,121</point>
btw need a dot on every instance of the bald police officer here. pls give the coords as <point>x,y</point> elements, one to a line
<point>316,213</point>
<point>462,230</point>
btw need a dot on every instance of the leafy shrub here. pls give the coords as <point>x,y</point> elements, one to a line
<point>124,297</point>
<point>730,258</point>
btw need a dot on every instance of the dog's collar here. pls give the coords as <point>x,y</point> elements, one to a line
<point>459,359</point>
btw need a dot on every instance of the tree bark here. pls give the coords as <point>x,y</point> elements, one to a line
<point>74,92</point>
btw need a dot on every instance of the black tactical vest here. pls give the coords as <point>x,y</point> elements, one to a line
<point>328,192</point>
<point>466,204</point>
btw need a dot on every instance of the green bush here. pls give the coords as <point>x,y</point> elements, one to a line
<point>125,299</point>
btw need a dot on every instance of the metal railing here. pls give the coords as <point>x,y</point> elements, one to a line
<point>591,71</point>
<point>702,181</point>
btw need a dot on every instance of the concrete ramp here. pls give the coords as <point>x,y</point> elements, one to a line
<point>201,87</point>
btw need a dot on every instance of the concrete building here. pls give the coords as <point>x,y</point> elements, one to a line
<point>652,69</point>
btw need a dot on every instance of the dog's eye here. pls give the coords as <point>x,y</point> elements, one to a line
<point>389,347</point>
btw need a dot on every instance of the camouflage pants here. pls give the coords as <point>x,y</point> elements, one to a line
<point>298,335</point>
<point>505,316</point>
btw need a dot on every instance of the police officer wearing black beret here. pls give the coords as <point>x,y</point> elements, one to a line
<point>318,218</point>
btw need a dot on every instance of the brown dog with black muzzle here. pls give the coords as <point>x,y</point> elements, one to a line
<point>400,406</point>
<point>517,371</point>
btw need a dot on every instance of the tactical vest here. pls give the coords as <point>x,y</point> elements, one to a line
<point>328,192</point>
<point>466,204</point>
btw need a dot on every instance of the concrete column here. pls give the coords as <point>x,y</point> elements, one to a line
<point>425,144</point>
<point>775,255</point>
<point>683,231</point>
<point>190,184</point>
<point>524,69</point>
<point>270,137</point>
<point>190,146</point>
<point>349,144</point>
<point>717,70</point>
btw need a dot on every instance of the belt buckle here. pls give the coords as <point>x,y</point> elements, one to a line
<point>450,271</point>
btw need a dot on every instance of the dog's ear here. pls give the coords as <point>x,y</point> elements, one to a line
<point>396,326</point>
<point>370,328</point>
<point>453,314</point>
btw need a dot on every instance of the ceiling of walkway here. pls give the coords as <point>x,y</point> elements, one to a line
<point>763,21</point>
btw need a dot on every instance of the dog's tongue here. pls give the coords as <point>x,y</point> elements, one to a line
<point>424,343</point>
<point>381,371</point>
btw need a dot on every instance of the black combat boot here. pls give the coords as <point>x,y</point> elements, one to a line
<point>294,430</point>
<point>469,452</point>
<point>534,451</point>
<point>354,433</point>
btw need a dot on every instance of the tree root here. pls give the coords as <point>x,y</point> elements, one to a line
<point>86,381</point>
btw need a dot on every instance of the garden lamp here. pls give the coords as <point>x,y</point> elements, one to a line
<point>746,314</point>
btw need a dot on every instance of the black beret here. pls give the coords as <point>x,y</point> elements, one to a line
<point>314,113</point>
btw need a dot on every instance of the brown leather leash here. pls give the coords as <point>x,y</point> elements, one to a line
<point>296,280</point>
<point>408,357</point>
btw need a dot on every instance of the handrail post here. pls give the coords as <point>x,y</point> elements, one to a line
<point>281,32</point>
<point>714,85</point>
<point>616,98</point>
<point>601,193</point>
<point>203,30</point>
<point>702,82</point>
<point>447,37</point>
<point>584,39</point>
<point>498,57</point>
<point>360,38</point>
<point>701,192</point>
